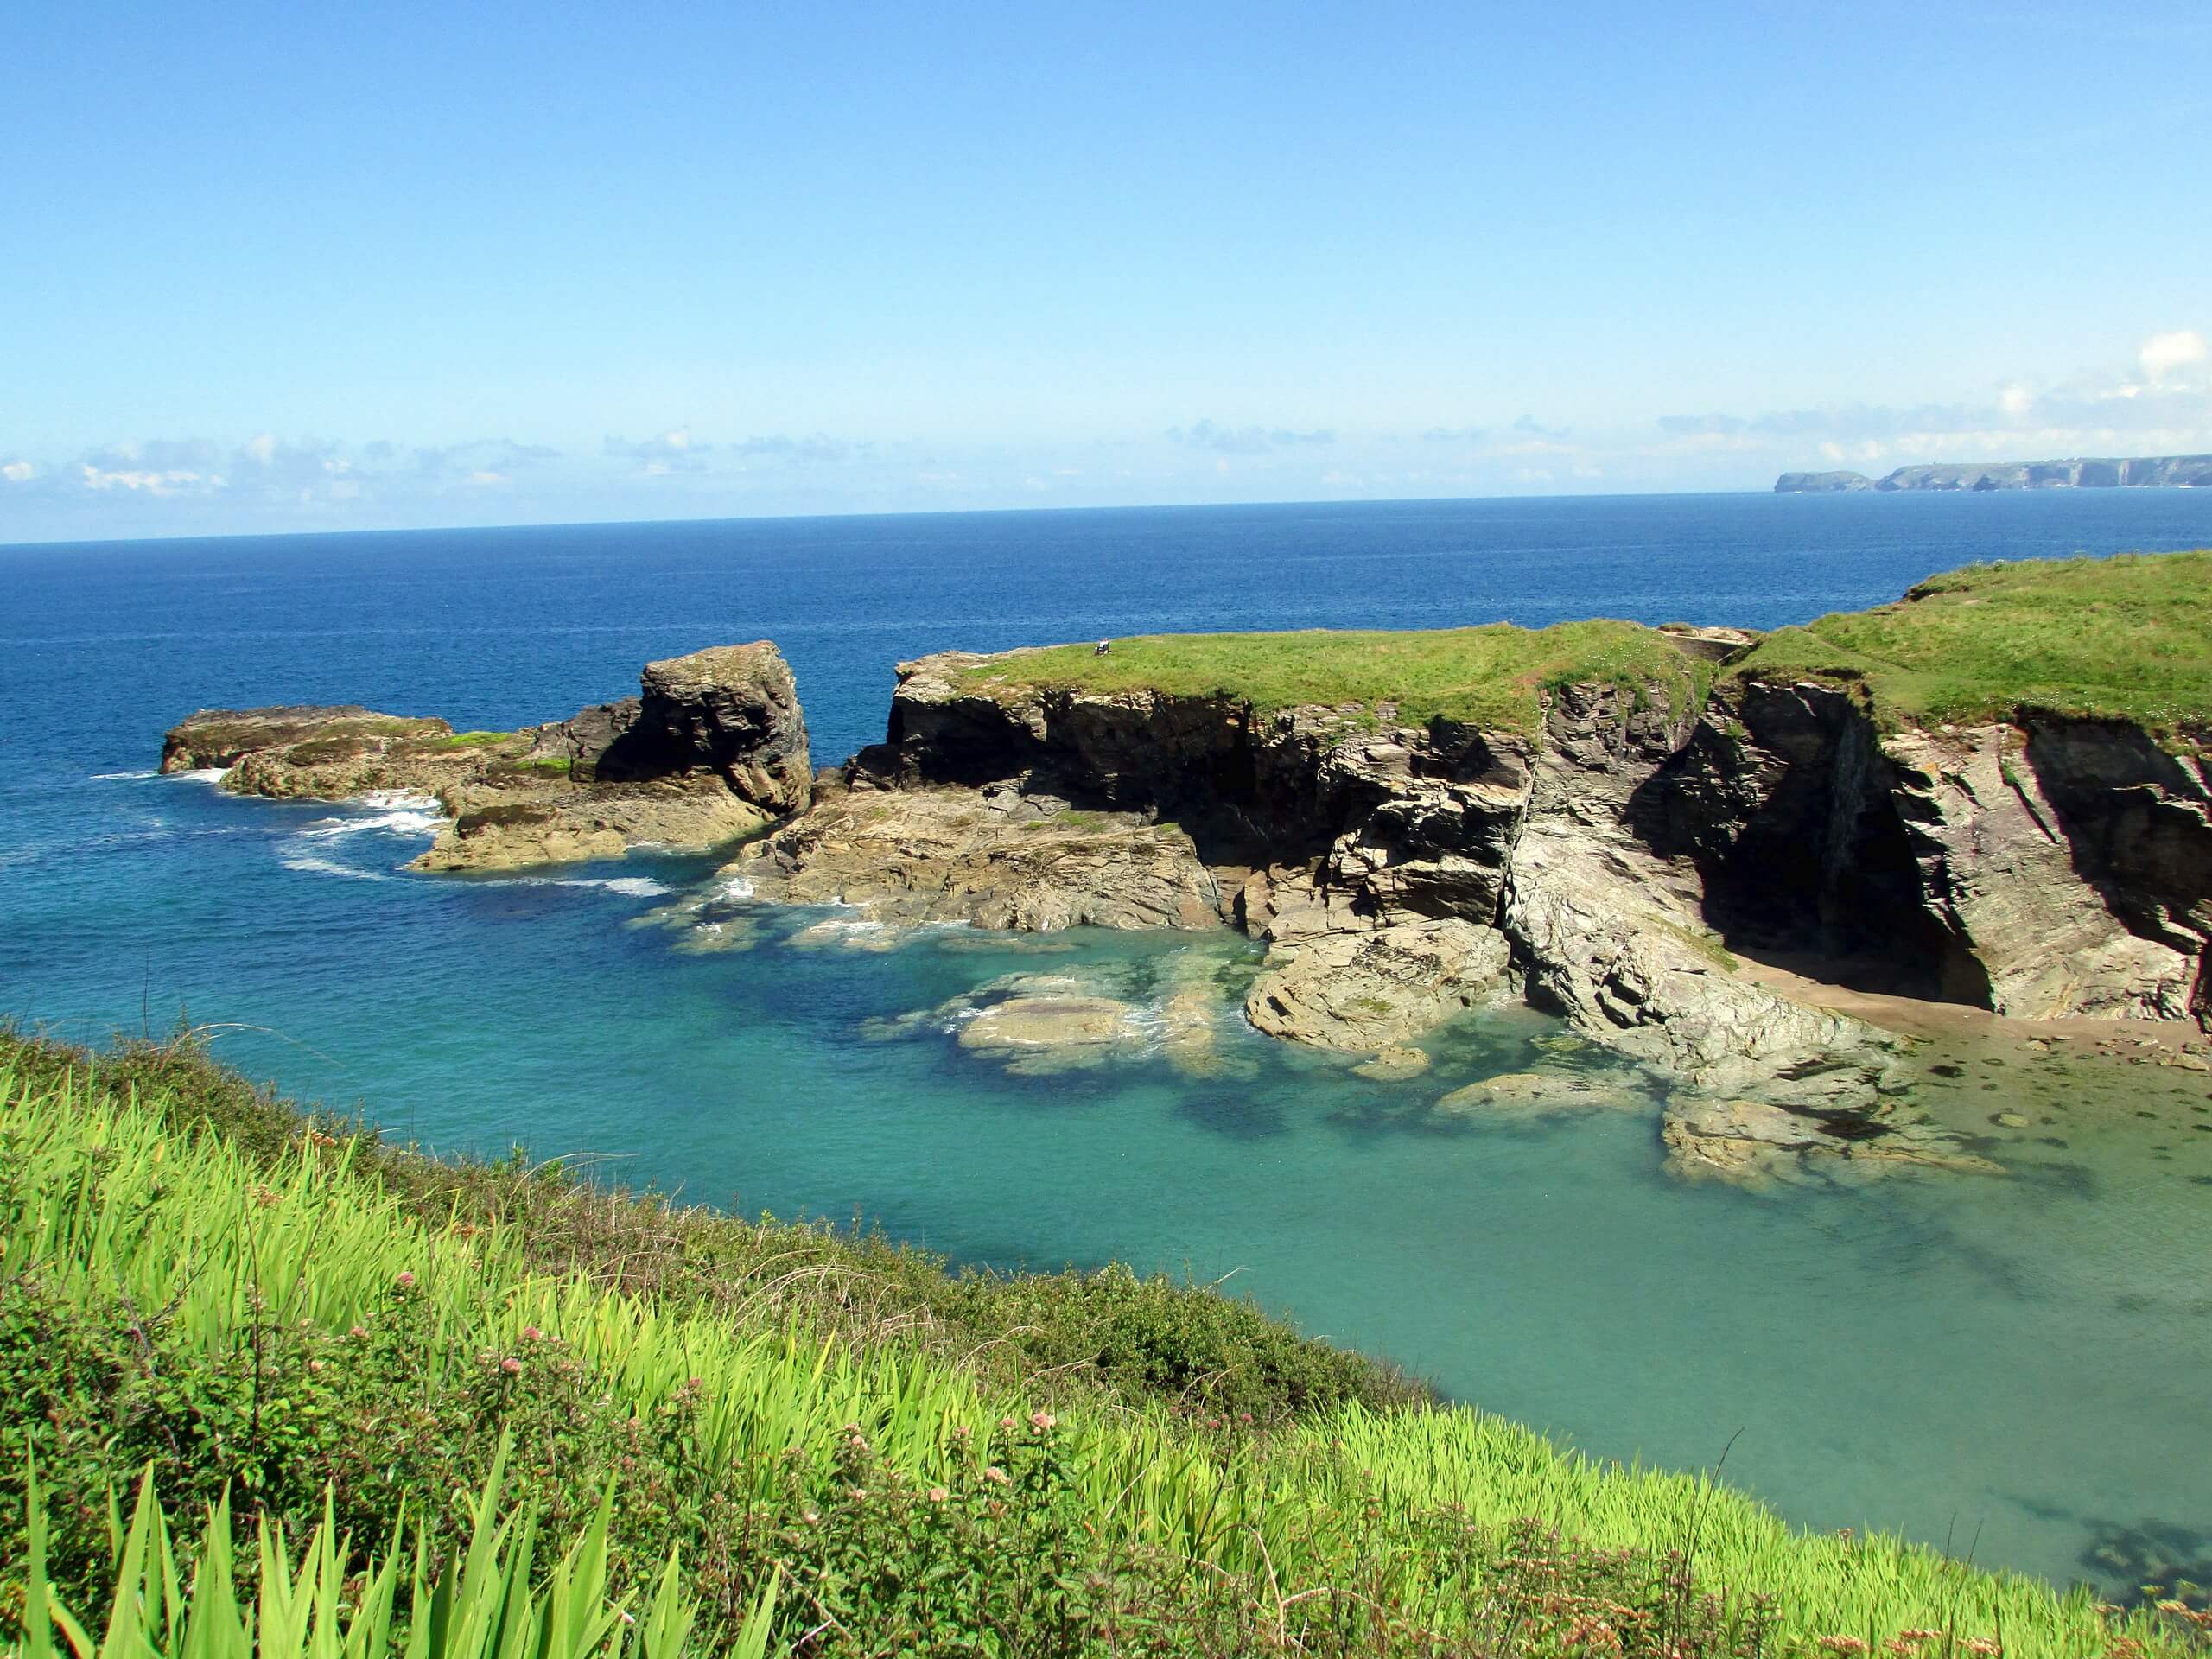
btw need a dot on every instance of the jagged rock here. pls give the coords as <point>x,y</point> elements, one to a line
<point>2048,868</point>
<point>1378,862</point>
<point>1375,988</point>
<point>579,741</point>
<point>1000,859</point>
<point>1615,940</point>
<point>1758,1143</point>
<point>730,713</point>
<point>2001,872</point>
<point>1545,1091</point>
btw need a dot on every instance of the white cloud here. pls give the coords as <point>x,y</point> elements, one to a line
<point>672,451</point>
<point>141,481</point>
<point>17,472</point>
<point>262,448</point>
<point>2164,354</point>
<point>489,477</point>
<point>2016,400</point>
<point>1243,440</point>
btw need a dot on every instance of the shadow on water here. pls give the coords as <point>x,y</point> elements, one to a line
<point>1240,1114</point>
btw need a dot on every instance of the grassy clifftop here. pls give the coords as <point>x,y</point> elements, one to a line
<point>765,1429</point>
<point>2128,638</point>
<point>1490,677</point>
<point>2123,638</point>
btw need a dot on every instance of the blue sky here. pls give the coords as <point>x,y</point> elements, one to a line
<point>281,267</point>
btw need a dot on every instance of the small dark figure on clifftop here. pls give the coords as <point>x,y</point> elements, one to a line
<point>1104,646</point>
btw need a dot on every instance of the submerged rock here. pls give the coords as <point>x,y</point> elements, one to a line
<point>1395,1065</point>
<point>1545,1091</point>
<point>1039,1035</point>
<point>846,933</point>
<point>1760,1143</point>
<point>1035,1024</point>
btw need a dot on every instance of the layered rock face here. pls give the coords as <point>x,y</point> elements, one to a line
<point>731,712</point>
<point>2050,868</point>
<point>713,749</point>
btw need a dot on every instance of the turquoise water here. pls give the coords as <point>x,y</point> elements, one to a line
<point>2016,1362</point>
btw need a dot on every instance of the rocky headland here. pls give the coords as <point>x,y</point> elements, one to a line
<point>1994,793</point>
<point>1597,823</point>
<point>712,748</point>
<point>2080,472</point>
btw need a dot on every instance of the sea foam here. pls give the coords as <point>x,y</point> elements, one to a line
<point>411,821</point>
<point>313,865</point>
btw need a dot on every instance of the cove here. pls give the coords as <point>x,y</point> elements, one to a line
<point>1933,1357</point>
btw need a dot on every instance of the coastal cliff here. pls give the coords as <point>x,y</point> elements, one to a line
<point>1993,792</point>
<point>713,748</point>
<point>1399,869</point>
<point>2082,472</point>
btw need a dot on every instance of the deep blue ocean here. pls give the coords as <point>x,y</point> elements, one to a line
<point>2024,1357</point>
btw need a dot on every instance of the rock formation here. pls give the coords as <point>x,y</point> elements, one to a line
<point>1601,847</point>
<point>2043,868</point>
<point>1398,875</point>
<point>713,749</point>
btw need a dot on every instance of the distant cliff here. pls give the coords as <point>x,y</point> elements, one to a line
<point>2081,474</point>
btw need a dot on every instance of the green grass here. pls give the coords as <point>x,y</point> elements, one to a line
<point>1491,676</point>
<point>318,1326</point>
<point>470,740</point>
<point>2124,637</point>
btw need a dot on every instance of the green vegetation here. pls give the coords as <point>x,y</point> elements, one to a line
<point>2122,639</point>
<point>1490,677</point>
<point>786,1439</point>
<point>488,1602</point>
<point>471,740</point>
